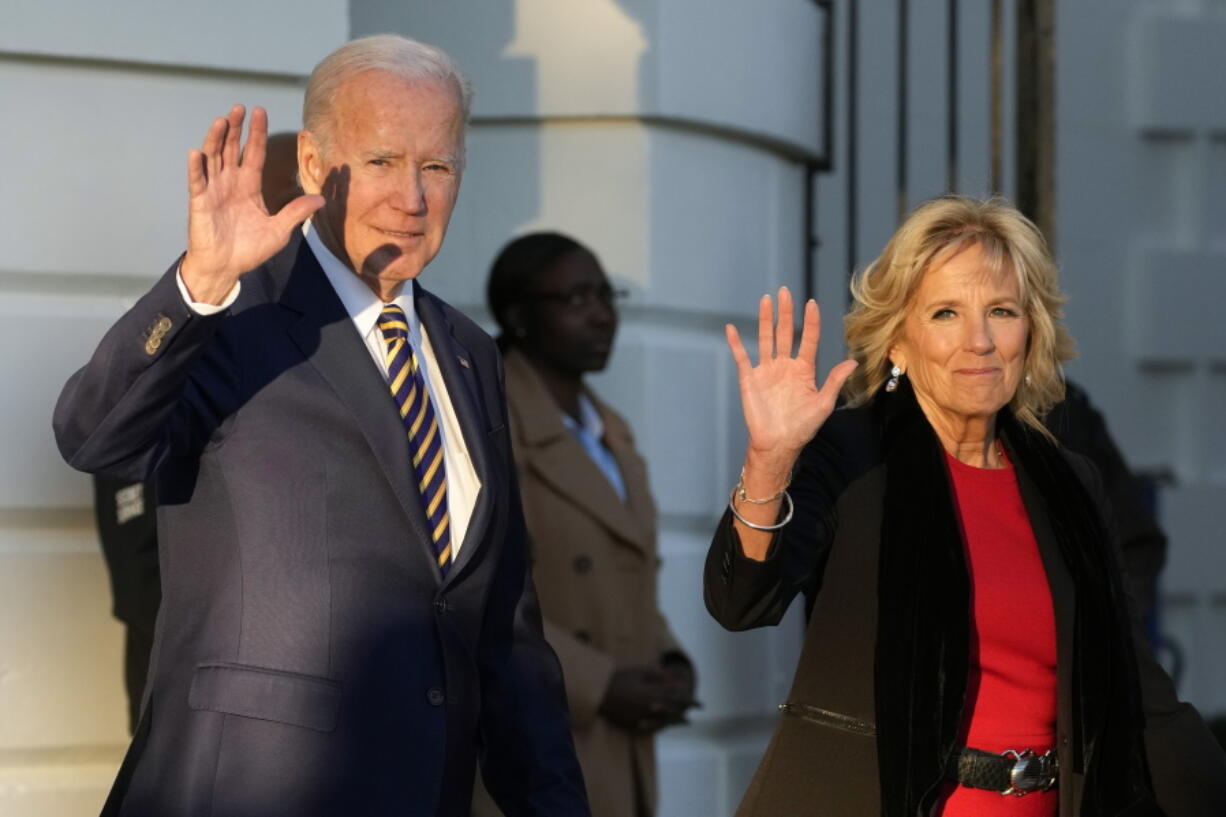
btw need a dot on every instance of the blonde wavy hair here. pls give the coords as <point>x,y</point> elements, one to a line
<point>883,293</point>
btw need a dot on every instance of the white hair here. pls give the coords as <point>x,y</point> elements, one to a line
<point>398,55</point>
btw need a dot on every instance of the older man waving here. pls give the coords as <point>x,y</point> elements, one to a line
<point>347,615</point>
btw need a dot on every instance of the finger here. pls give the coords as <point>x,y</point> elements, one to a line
<point>298,211</point>
<point>234,136</point>
<point>739,355</point>
<point>785,329</point>
<point>765,318</point>
<point>257,140</point>
<point>810,333</point>
<point>211,147</point>
<point>196,180</point>
<point>835,380</point>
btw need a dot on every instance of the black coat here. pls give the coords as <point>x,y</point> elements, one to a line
<point>824,757</point>
<point>310,659</point>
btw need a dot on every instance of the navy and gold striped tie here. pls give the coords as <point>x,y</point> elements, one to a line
<point>421,424</point>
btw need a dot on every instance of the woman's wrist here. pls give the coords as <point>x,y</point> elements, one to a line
<point>765,475</point>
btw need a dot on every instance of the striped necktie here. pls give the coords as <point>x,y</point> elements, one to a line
<point>421,425</point>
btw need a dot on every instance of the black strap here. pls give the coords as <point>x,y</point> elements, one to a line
<point>978,769</point>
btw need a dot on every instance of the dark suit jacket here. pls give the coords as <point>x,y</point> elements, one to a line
<point>822,759</point>
<point>309,657</point>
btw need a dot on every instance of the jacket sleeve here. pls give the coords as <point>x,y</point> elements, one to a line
<point>528,760</point>
<point>585,670</point>
<point>1187,765</point>
<point>143,392</point>
<point>742,593</point>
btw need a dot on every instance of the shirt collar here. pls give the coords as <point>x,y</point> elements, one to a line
<point>589,417</point>
<point>362,304</point>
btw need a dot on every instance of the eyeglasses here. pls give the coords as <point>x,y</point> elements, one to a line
<point>582,297</point>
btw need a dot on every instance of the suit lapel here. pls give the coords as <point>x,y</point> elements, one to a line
<point>464,391</point>
<point>551,451</point>
<point>325,335</point>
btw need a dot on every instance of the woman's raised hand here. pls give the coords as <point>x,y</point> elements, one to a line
<point>782,403</point>
<point>228,229</point>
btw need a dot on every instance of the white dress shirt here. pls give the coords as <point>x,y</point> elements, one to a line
<point>364,307</point>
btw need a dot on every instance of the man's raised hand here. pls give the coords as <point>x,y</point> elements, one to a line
<point>229,231</point>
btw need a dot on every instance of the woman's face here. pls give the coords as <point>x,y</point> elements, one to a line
<point>963,342</point>
<point>569,319</point>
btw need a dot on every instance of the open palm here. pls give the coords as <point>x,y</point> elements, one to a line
<point>782,403</point>
<point>228,229</point>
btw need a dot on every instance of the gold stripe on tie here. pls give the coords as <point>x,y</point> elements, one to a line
<point>425,481</point>
<point>445,555</point>
<point>425,444</point>
<point>393,350</point>
<point>408,401</point>
<point>421,415</point>
<point>399,381</point>
<point>438,497</point>
<point>440,527</point>
<point>394,325</point>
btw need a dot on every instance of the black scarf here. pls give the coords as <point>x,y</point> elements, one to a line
<point>923,639</point>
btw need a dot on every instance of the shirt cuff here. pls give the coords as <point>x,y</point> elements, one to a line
<point>205,309</point>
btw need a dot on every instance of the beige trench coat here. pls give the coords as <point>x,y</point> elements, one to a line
<point>595,572</point>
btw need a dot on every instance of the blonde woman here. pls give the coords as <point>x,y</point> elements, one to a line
<point>968,633</point>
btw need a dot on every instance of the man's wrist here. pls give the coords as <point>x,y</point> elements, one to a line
<point>206,307</point>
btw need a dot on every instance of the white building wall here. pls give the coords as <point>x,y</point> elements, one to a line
<point>1141,174</point>
<point>100,104</point>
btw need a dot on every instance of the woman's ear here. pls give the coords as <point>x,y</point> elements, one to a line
<point>897,357</point>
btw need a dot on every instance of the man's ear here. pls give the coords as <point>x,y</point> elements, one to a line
<point>310,163</point>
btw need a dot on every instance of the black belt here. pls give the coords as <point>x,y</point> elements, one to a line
<point>1010,772</point>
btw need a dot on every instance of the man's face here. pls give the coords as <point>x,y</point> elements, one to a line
<point>390,174</point>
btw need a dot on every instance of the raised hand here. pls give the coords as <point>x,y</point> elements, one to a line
<point>782,403</point>
<point>229,231</point>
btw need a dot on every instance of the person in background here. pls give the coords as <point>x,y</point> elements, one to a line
<point>126,514</point>
<point>126,511</point>
<point>969,634</point>
<point>1080,427</point>
<point>591,519</point>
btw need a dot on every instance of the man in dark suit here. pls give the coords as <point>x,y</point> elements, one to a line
<point>347,617</point>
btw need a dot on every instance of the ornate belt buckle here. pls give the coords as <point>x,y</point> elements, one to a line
<point>1031,772</point>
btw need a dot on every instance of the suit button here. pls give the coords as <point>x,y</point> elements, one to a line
<point>440,605</point>
<point>583,564</point>
<point>435,696</point>
<point>163,325</point>
<point>584,636</point>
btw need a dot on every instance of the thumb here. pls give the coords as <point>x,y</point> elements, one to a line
<point>838,376</point>
<point>298,211</point>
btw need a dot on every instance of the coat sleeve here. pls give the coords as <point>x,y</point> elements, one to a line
<point>528,760</point>
<point>142,393</point>
<point>742,593</point>
<point>1187,765</point>
<point>585,670</point>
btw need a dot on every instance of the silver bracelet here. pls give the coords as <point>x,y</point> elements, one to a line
<point>739,490</point>
<point>786,519</point>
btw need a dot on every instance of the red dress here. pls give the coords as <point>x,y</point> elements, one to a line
<point>1011,689</point>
